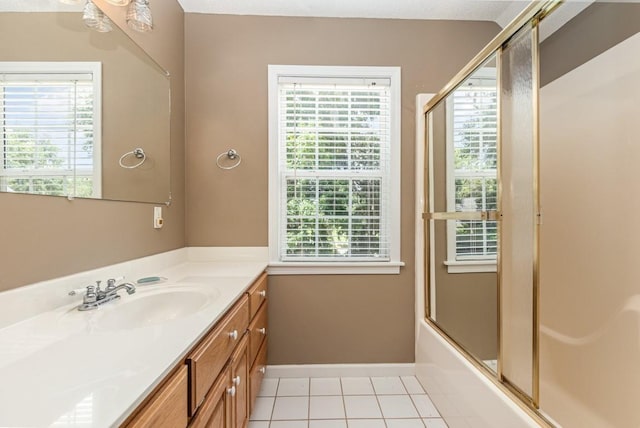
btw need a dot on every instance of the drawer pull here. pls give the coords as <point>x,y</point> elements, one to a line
<point>262,293</point>
<point>231,391</point>
<point>234,335</point>
<point>263,370</point>
<point>236,381</point>
<point>262,331</point>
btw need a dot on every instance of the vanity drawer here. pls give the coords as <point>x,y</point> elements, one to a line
<point>257,294</point>
<point>257,332</point>
<point>211,355</point>
<point>167,407</point>
<point>257,374</point>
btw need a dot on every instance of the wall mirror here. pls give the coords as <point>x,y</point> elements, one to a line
<point>463,198</point>
<point>75,104</point>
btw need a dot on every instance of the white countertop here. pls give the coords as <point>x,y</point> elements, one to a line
<point>66,368</point>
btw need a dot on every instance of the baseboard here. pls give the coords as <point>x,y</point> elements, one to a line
<point>341,370</point>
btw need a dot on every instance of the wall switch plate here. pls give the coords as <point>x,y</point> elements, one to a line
<point>158,222</point>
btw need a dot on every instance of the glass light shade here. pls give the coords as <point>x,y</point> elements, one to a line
<point>118,2</point>
<point>95,19</point>
<point>139,16</point>
<point>105,25</point>
<point>71,1</point>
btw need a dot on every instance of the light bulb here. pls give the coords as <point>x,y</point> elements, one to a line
<point>118,2</point>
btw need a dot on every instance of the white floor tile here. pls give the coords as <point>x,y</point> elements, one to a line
<point>291,408</point>
<point>397,406</point>
<point>412,385</point>
<point>362,406</point>
<point>388,385</point>
<point>357,386</point>
<point>289,424</point>
<point>263,408</point>
<point>259,424</point>
<point>434,423</point>
<point>326,386</point>
<point>326,407</point>
<point>292,387</point>
<point>365,423</point>
<point>268,388</point>
<point>328,424</point>
<point>404,423</point>
<point>425,407</point>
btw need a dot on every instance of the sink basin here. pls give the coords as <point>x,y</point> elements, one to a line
<point>146,308</point>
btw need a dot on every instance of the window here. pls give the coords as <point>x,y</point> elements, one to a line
<point>49,128</point>
<point>334,136</point>
<point>472,172</point>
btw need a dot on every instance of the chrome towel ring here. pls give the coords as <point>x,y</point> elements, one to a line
<point>231,155</point>
<point>138,153</point>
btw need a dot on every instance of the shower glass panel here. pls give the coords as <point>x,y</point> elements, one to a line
<point>519,209</point>
<point>463,202</point>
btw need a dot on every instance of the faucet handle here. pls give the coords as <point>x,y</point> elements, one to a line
<point>91,295</point>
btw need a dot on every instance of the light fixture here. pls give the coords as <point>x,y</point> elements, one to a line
<point>139,16</point>
<point>95,18</point>
<point>71,1</point>
<point>118,2</point>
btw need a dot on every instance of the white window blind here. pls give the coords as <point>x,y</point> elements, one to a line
<point>47,131</point>
<point>472,186</point>
<point>334,142</point>
<point>334,170</point>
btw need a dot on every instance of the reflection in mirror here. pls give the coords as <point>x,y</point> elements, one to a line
<point>74,101</point>
<point>463,184</point>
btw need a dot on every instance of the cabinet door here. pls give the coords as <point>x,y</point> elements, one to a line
<point>216,410</point>
<point>256,374</point>
<point>240,380</point>
<point>167,407</point>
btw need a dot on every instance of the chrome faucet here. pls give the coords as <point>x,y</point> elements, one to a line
<point>96,297</point>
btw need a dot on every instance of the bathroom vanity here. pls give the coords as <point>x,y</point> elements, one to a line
<point>187,352</point>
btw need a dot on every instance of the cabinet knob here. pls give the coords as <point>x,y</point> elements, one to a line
<point>263,370</point>
<point>262,331</point>
<point>236,381</point>
<point>262,293</point>
<point>234,335</point>
<point>231,391</point>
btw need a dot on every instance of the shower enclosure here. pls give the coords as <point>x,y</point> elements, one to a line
<point>528,263</point>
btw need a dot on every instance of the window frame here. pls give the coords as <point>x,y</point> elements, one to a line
<point>469,264</point>
<point>348,266</point>
<point>72,68</point>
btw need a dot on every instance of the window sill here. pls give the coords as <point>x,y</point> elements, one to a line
<point>471,266</point>
<point>334,268</point>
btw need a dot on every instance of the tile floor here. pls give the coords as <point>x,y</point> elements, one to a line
<point>347,402</point>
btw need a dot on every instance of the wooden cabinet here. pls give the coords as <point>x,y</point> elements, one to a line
<point>167,407</point>
<point>217,385</point>
<point>212,354</point>
<point>216,410</point>
<point>257,337</point>
<point>240,379</point>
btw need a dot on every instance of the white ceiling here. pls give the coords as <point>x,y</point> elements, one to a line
<point>500,11</point>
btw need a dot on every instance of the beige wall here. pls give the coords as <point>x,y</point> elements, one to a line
<point>313,319</point>
<point>44,237</point>
<point>589,310</point>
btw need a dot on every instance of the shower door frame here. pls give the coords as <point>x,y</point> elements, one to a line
<point>531,16</point>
